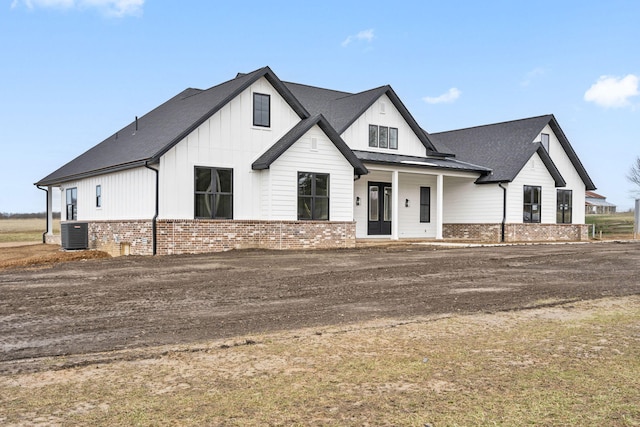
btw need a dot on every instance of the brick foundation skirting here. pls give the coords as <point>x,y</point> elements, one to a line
<point>516,232</point>
<point>204,236</point>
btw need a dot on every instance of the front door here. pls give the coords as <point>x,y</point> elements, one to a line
<point>379,208</point>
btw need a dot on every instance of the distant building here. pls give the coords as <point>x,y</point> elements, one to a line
<point>594,203</point>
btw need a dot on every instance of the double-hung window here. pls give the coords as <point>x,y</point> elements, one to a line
<point>313,196</point>
<point>261,110</point>
<point>532,208</point>
<point>72,203</point>
<point>563,203</point>
<point>425,204</point>
<point>213,193</point>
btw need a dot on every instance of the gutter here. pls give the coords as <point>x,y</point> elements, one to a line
<point>504,211</point>
<point>46,190</point>
<point>154,221</point>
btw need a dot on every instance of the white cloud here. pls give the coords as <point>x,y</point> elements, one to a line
<point>116,8</point>
<point>613,92</point>
<point>364,35</point>
<point>446,98</point>
<point>531,75</point>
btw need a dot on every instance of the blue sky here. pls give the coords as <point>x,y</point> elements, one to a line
<point>75,71</point>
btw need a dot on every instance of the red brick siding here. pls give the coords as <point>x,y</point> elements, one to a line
<point>203,236</point>
<point>516,232</point>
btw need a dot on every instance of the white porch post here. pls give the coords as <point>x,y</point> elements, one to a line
<point>395,192</point>
<point>49,211</point>
<point>439,207</point>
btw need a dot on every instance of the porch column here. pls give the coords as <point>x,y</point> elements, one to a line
<point>395,193</point>
<point>439,207</point>
<point>49,211</point>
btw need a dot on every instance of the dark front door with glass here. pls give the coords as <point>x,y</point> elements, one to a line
<point>379,208</point>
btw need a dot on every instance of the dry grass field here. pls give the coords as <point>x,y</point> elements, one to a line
<point>570,365</point>
<point>25,230</point>
<point>549,363</point>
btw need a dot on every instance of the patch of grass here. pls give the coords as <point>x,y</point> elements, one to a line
<point>25,230</point>
<point>570,365</point>
<point>612,225</point>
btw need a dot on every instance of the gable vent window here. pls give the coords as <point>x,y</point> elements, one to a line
<point>383,137</point>
<point>261,110</point>
<point>383,107</point>
<point>545,141</point>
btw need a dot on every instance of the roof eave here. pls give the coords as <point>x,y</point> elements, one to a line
<point>573,157</point>
<point>96,172</point>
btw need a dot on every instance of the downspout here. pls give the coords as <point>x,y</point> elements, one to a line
<point>504,211</point>
<point>154,229</point>
<point>44,238</point>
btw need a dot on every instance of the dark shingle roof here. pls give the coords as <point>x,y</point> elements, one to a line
<point>506,147</point>
<point>162,128</point>
<point>275,151</point>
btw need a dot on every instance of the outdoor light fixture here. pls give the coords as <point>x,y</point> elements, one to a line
<point>406,203</point>
<point>358,201</point>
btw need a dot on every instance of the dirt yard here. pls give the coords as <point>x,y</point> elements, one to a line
<point>98,305</point>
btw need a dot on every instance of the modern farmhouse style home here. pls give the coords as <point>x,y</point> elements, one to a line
<point>258,162</point>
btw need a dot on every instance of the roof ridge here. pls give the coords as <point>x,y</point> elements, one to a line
<point>493,124</point>
<point>317,87</point>
<point>375,89</point>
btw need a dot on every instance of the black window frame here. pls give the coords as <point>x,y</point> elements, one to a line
<point>259,118</point>
<point>98,196</point>
<point>393,142</point>
<point>385,137</point>
<point>213,194</point>
<point>71,201</point>
<point>528,206</point>
<point>425,204</point>
<point>313,197</point>
<point>373,136</point>
<point>564,211</point>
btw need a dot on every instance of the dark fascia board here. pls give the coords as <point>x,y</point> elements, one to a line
<point>551,167</point>
<point>291,137</point>
<point>422,136</point>
<point>575,160</point>
<point>265,72</point>
<point>112,169</point>
<point>397,102</point>
<point>546,160</point>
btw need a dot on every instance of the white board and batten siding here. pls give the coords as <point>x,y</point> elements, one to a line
<point>569,173</point>
<point>466,202</point>
<point>315,153</point>
<point>383,113</point>
<point>126,195</point>
<point>227,139</point>
<point>534,173</point>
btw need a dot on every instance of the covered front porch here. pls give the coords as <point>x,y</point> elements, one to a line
<point>404,201</point>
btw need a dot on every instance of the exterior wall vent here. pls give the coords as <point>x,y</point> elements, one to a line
<point>75,235</point>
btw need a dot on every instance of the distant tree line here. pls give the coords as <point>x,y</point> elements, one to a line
<point>7,215</point>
